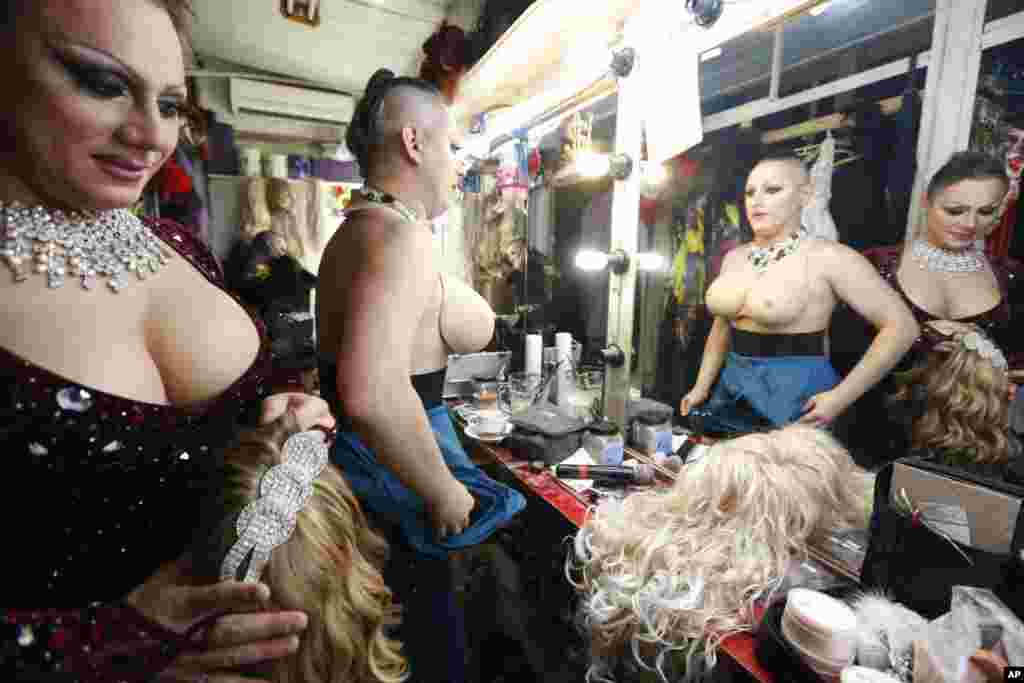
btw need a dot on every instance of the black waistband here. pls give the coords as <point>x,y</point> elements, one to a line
<point>755,344</point>
<point>429,386</point>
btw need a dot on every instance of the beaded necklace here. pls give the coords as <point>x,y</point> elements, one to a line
<point>762,257</point>
<point>930,257</point>
<point>377,197</point>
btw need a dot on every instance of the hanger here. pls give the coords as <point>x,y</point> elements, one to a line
<point>844,153</point>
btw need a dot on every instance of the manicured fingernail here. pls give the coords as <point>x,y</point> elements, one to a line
<point>293,643</point>
<point>302,623</point>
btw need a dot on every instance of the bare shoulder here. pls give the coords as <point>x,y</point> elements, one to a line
<point>377,242</point>
<point>831,254</point>
<point>735,255</point>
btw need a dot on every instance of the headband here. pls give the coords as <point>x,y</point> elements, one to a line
<point>269,521</point>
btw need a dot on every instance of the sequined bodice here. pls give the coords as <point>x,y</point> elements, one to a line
<point>997,321</point>
<point>104,489</point>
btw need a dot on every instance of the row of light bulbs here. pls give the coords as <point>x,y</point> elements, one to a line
<point>618,261</point>
<point>597,165</point>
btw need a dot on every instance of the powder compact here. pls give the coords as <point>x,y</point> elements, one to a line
<point>822,630</point>
<point>862,674</point>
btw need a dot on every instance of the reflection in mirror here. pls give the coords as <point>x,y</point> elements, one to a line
<point>570,212</point>
<point>846,37</point>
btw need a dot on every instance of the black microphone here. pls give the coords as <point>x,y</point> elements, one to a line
<point>603,474</point>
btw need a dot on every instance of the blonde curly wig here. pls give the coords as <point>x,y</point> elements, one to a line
<point>666,573</point>
<point>330,568</point>
<point>966,399</point>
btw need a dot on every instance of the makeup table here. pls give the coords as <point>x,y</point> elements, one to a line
<point>564,503</point>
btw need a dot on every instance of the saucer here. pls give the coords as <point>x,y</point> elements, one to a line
<point>472,433</point>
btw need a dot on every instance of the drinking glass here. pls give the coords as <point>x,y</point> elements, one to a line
<point>519,391</point>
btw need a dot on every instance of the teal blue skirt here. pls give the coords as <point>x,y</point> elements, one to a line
<point>758,393</point>
<point>394,505</point>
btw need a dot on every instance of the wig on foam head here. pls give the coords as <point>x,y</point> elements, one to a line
<point>964,399</point>
<point>255,212</point>
<point>674,572</point>
<point>285,211</point>
<point>330,568</point>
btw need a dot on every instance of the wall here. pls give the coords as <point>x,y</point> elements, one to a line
<point>464,13</point>
<point>353,39</point>
<point>225,213</point>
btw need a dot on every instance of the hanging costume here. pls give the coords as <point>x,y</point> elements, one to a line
<point>816,218</point>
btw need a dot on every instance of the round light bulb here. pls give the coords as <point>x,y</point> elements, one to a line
<point>592,164</point>
<point>650,260</point>
<point>589,259</point>
<point>655,174</point>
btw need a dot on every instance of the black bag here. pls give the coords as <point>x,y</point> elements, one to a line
<point>544,434</point>
<point>918,566</point>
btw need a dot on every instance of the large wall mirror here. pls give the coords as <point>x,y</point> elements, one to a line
<point>849,70</point>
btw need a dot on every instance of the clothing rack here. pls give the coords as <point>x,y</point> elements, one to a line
<point>888,106</point>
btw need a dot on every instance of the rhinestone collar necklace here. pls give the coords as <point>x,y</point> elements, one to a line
<point>762,257</point>
<point>377,197</point>
<point>105,244</point>
<point>930,257</point>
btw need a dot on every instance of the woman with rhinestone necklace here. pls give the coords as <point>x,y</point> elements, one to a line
<point>124,365</point>
<point>943,275</point>
<point>765,361</point>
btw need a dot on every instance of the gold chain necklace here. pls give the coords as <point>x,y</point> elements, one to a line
<point>377,197</point>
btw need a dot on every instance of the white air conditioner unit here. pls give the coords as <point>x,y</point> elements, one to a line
<point>314,106</point>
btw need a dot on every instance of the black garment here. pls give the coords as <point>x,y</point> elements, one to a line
<point>919,567</point>
<point>859,204</point>
<point>429,387</point>
<point>679,359</point>
<point>902,165</point>
<point>278,287</point>
<point>531,288</point>
<point>433,624</point>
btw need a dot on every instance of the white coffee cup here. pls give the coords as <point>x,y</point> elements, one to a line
<point>490,423</point>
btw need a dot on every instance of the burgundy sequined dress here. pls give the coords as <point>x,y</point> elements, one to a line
<point>1003,323</point>
<point>102,491</point>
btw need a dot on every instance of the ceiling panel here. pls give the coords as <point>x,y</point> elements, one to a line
<point>355,37</point>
